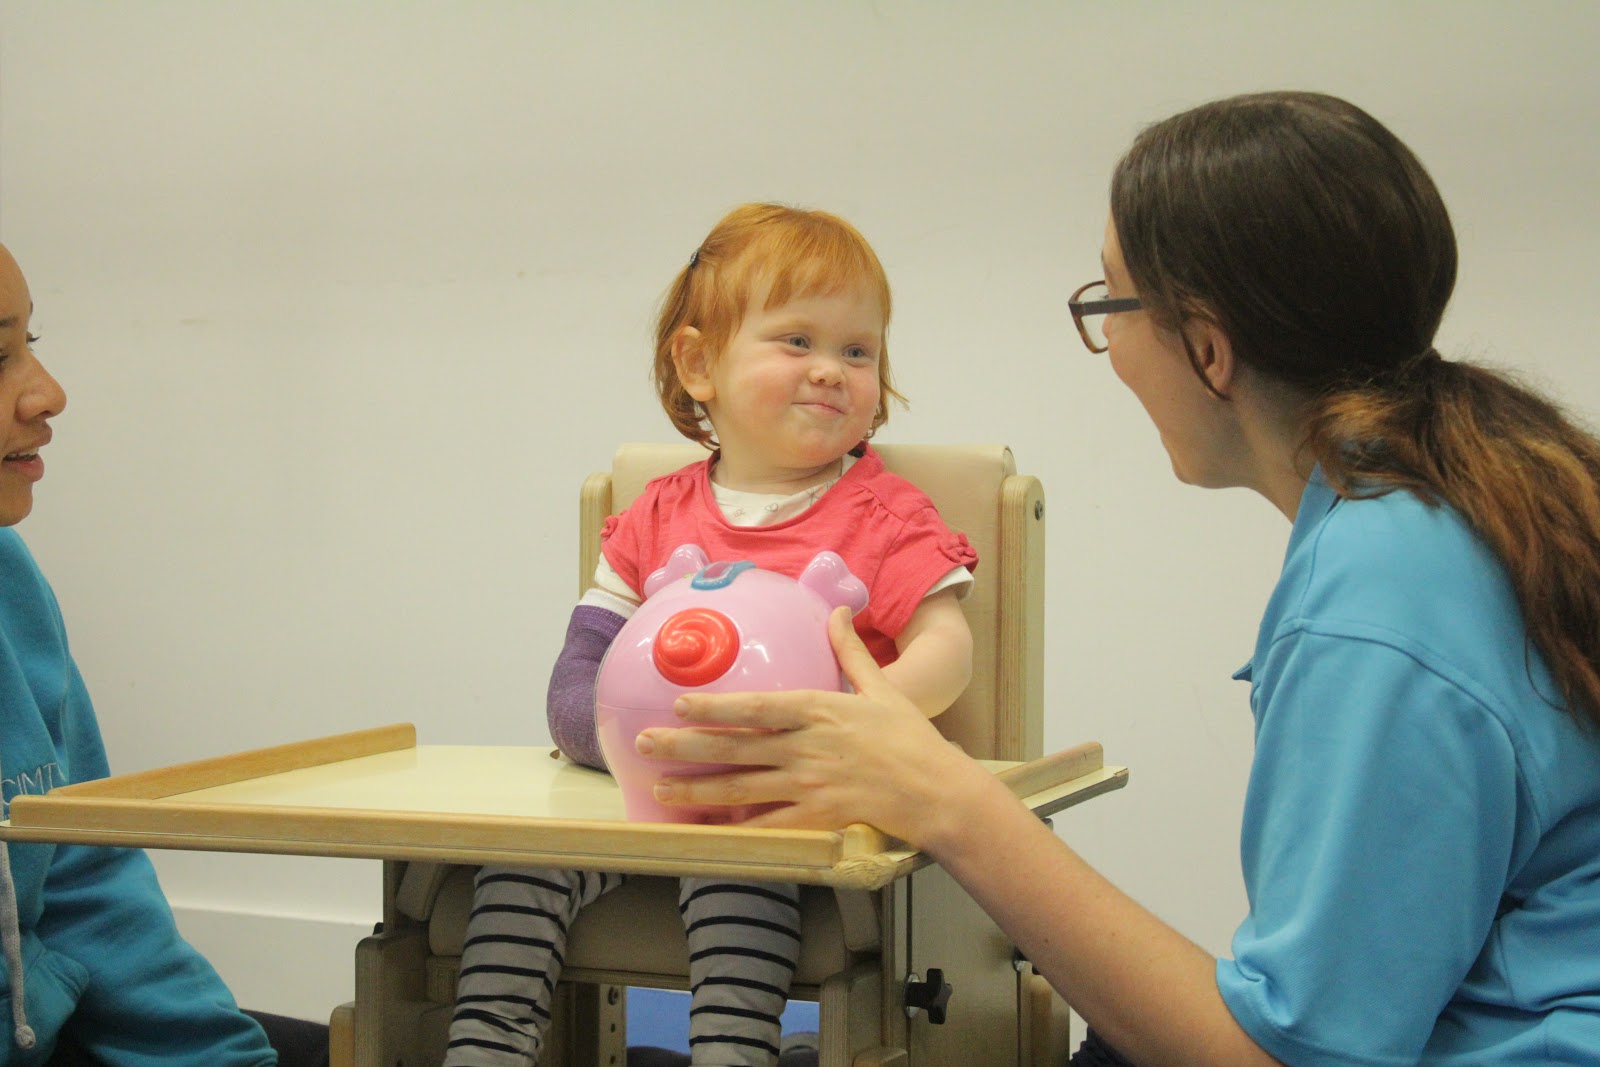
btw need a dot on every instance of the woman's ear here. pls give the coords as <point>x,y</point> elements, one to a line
<point>693,364</point>
<point>1213,355</point>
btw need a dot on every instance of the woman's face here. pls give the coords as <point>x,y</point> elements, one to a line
<point>1152,362</point>
<point>28,397</point>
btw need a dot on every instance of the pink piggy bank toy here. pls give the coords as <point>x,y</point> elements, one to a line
<point>712,628</point>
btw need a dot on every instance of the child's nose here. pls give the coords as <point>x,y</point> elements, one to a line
<point>826,369</point>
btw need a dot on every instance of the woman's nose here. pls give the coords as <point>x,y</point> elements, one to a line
<point>42,397</point>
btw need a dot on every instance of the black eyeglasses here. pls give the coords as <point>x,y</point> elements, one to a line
<point>1088,304</point>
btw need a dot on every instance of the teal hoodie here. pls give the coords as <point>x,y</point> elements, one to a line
<point>94,935</point>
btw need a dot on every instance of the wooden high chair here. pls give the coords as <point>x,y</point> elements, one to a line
<point>867,952</point>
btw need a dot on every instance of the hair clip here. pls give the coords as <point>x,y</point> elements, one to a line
<point>694,257</point>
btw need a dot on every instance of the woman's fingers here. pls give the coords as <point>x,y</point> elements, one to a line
<point>754,748</point>
<point>860,669</point>
<point>770,711</point>
<point>804,748</point>
<point>732,789</point>
<point>791,817</point>
<point>788,709</point>
<point>753,788</point>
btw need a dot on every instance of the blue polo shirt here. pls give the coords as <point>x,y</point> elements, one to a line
<point>1421,840</point>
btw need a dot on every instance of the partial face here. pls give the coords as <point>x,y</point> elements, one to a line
<point>797,386</point>
<point>1152,362</point>
<point>28,397</point>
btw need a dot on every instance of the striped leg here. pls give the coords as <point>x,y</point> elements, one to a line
<point>744,944</point>
<point>512,960</point>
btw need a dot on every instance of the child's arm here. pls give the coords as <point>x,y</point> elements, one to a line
<point>935,648</point>
<point>569,704</point>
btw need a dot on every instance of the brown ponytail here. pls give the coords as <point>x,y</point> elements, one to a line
<point>1524,477</point>
<point>1317,241</point>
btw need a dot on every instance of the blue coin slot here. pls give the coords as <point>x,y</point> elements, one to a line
<point>719,574</point>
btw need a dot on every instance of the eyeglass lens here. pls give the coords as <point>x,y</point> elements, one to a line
<point>1094,326</point>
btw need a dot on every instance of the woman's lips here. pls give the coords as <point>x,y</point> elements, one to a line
<point>26,463</point>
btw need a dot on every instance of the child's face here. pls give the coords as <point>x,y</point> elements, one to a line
<point>797,385</point>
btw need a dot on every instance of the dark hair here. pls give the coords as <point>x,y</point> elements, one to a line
<point>1316,241</point>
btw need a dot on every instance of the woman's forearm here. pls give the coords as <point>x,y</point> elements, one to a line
<point>1147,989</point>
<point>870,756</point>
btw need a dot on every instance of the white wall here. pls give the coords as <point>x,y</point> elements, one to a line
<point>348,297</point>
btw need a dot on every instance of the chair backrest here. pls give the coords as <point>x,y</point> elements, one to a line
<point>978,491</point>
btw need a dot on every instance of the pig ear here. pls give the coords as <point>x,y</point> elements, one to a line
<point>684,561</point>
<point>828,577</point>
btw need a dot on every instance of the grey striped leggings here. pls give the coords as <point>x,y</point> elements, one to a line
<point>744,941</point>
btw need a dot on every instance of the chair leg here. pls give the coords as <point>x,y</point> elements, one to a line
<point>588,1024</point>
<point>1046,1022</point>
<point>950,933</point>
<point>882,1057</point>
<point>342,1036</point>
<point>850,1012</point>
<point>389,988</point>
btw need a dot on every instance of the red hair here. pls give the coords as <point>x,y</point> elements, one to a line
<point>790,251</point>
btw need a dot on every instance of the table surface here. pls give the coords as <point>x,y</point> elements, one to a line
<point>377,794</point>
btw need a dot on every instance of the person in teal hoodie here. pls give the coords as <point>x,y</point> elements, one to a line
<point>95,969</point>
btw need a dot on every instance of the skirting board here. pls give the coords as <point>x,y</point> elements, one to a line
<point>285,964</point>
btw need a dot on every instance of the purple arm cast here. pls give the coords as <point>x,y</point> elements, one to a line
<point>570,704</point>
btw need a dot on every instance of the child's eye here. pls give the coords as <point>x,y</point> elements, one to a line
<point>797,341</point>
<point>33,339</point>
<point>859,354</point>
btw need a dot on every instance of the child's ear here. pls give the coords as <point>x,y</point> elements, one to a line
<point>693,363</point>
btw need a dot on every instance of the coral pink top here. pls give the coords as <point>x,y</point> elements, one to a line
<point>885,529</point>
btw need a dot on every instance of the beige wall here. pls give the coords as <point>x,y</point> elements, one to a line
<point>349,297</point>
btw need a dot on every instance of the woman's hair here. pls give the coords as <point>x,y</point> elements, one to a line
<point>792,253</point>
<point>1315,240</point>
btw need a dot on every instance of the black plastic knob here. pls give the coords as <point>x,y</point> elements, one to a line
<point>932,996</point>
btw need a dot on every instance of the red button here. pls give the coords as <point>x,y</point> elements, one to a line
<point>696,646</point>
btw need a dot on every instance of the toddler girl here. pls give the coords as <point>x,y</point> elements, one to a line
<point>770,350</point>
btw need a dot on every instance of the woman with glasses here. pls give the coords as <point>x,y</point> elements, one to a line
<point>1421,838</point>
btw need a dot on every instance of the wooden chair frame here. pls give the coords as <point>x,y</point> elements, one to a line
<point>1000,1013</point>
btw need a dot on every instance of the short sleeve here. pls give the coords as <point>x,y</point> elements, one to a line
<point>621,547</point>
<point>919,555</point>
<point>610,591</point>
<point>1379,827</point>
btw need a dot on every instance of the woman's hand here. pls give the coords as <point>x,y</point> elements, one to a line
<point>832,758</point>
<point>871,756</point>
